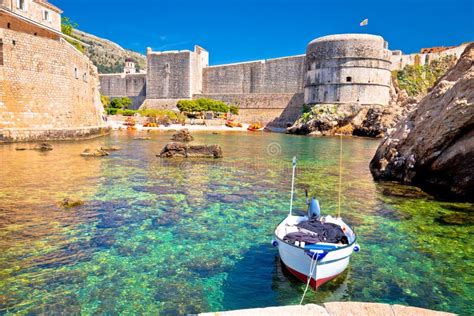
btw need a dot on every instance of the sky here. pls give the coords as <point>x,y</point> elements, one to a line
<point>244,30</point>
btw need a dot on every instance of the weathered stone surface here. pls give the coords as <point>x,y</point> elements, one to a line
<point>182,136</point>
<point>358,309</point>
<point>434,146</point>
<point>195,151</point>
<point>349,119</point>
<point>334,309</point>
<point>400,310</point>
<point>99,152</point>
<point>48,90</point>
<point>300,310</point>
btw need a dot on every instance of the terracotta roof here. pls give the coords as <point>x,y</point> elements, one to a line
<point>48,5</point>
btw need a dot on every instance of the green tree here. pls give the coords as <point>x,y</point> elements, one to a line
<point>67,28</point>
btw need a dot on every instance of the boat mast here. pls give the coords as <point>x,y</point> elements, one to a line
<point>292,185</point>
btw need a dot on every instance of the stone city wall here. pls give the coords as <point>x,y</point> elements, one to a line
<point>124,85</point>
<point>45,85</point>
<point>399,61</point>
<point>280,75</point>
<point>276,109</point>
<point>168,75</point>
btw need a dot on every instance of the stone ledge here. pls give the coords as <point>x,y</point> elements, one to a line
<point>35,135</point>
<point>334,309</point>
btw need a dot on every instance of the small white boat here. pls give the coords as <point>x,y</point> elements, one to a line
<point>306,253</point>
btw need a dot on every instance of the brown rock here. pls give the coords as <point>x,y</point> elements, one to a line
<point>186,151</point>
<point>182,136</point>
<point>99,152</point>
<point>43,147</point>
<point>434,146</point>
<point>110,148</point>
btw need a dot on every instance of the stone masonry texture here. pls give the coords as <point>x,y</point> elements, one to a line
<point>46,85</point>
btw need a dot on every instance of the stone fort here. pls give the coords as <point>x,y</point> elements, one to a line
<point>344,68</point>
<point>48,89</point>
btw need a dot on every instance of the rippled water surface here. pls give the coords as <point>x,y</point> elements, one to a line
<point>184,236</point>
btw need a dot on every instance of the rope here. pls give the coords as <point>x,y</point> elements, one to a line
<point>312,269</point>
<point>340,175</point>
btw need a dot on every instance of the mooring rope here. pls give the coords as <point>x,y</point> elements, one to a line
<point>312,269</point>
<point>340,175</point>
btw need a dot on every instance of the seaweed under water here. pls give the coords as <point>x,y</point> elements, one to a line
<point>183,236</point>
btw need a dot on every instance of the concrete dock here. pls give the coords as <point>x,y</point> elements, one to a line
<point>334,309</point>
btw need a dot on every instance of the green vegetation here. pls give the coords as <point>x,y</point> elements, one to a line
<point>162,116</point>
<point>67,28</point>
<point>118,104</point>
<point>417,79</point>
<point>126,112</point>
<point>105,101</point>
<point>206,105</point>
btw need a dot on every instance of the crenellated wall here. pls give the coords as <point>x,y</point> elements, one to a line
<point>280,75</point>
<point>125,85</point>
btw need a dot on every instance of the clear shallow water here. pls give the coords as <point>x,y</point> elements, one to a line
<point>184,236</point>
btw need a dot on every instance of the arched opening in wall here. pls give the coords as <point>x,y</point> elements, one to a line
<point>348,79</point>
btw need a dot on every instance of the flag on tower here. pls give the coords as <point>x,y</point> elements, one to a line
<point>365,22</point>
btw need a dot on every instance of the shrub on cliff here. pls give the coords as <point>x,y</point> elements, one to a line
<point>67,28</point>
<point>417,79</point>
<point>234,109</point>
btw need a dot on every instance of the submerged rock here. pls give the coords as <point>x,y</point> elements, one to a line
<point>182,136</point>
<point>99,152</point>
<point>70,203</point>
<point>142,138</point>
<point>43,147</point>
<point>187,151</point>
<point>110,148</point>
<point>434,146</point>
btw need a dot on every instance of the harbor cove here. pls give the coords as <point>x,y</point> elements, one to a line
<point>178,236</point>
<point>237,158</point>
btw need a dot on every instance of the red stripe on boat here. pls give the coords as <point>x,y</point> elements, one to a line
<point>313,283</point>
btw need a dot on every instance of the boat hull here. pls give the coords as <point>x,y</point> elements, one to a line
<point>298,261</point>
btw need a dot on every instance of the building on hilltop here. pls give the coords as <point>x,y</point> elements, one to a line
<point>48,89</point>
<point>336,69</point>
<point>130,66</point>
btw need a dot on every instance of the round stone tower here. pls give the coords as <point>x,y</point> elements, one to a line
<point>347,68</point>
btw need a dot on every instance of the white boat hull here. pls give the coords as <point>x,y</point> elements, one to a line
<point>299,262</point>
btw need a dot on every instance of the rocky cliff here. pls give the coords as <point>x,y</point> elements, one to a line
<point>106,55</point>
<point>433,147</point>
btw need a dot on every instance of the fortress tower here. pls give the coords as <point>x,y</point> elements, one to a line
<point>347,68</point>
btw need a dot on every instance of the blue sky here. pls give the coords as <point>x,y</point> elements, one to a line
<point>244,30</point>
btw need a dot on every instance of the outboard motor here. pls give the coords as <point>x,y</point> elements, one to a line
<point>313,209</point>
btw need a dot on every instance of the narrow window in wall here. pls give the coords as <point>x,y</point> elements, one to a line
<point>84,77</point>
<point>348,79</point>
<point>21,4</point>
<point>1,52</point>
<point>76,74</point>
<point>46,16</point>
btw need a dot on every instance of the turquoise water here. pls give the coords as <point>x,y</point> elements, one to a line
<point>184,236</point>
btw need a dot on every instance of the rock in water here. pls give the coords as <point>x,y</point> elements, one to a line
<point>99,152</point>
<point>182,136</point>
<point>69,203</point>
<point>186,151</point>
<point>434,146</point>
<point>43,147</point>
<point>110,148</point>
